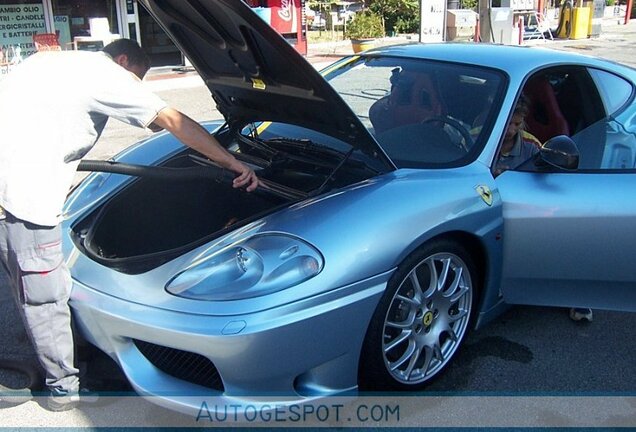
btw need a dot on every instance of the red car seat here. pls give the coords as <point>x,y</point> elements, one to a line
<point>545,119</point>
<point>413,99</point>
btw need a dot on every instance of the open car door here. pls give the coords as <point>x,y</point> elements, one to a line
<point>569,236</point>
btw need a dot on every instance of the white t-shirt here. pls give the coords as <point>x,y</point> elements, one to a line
<point>53,107</point>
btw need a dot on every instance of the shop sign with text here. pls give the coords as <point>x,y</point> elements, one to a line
<point>18,24</point>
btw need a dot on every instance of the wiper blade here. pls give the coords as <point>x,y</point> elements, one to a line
<point>257,144</point>
<point>305,144</point>
<point>311,147</point>
<point>276,156</point>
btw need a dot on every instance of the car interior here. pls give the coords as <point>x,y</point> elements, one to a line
<point>545,118</point>
<point>414,97</point>
<point>568,101</point>
<point>426,116</point>
<point>422,118</point>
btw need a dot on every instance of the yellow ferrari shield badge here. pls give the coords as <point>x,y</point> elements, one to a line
<point>427,319</point>
<point>258,84</point>
<point>485,193</point>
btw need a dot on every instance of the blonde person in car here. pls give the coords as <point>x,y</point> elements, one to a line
<point>519,145</point>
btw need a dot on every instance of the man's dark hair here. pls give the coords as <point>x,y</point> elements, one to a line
<point>131,49</point>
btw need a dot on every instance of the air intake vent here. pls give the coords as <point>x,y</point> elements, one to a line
<point>184,365</point>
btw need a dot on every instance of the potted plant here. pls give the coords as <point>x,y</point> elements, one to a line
<point>364,29</point>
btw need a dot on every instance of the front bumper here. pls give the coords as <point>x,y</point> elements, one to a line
<point>284,355</point>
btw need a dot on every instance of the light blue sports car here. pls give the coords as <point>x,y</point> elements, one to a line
<point>384,230</point>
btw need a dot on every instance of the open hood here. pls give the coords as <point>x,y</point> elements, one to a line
<point>254,74</point>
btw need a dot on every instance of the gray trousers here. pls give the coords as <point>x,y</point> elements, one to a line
<point>41,285</point>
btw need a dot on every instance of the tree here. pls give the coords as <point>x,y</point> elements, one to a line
<point>399,15</point>
<point>365,25</point>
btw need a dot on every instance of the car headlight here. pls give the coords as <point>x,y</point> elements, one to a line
<point>260,265</point>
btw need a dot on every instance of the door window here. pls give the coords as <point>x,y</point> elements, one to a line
<point>595,108</point>
<point>619,149</point>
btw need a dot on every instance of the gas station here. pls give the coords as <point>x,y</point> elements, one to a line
<point>494,21</point>
<point>508,22</point>
<point>511,22</point>
<point>574,19</point>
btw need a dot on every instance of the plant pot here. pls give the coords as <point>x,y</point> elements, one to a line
<point>360,45</point>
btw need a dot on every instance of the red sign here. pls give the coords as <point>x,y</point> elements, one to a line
<point>285,15</point>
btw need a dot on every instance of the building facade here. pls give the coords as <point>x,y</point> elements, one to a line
<point>81,24</point>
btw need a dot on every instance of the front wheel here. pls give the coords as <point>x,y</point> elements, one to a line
<point>421,319</point>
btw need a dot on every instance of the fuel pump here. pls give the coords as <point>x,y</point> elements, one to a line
<point>580,19</point>
<point>566,18</point>
<point>495,23</point>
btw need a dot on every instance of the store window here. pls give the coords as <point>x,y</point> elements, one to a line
<point>85,24</point>
<point>19,21</point>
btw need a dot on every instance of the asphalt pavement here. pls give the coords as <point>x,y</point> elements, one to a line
<point>185,91</point>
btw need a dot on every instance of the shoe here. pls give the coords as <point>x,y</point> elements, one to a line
<point>578,314</point>
<point>57,401</point>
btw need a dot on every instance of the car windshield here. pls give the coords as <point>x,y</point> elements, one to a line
<point>423,113</point>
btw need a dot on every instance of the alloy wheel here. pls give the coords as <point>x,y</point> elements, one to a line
<point>427,318</point>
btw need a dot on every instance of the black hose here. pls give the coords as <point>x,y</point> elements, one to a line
<point>219,175</point>
<point>563,22</point>
<point>492,32</point>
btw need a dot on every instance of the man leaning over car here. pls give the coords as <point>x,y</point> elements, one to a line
<point>54,108</point>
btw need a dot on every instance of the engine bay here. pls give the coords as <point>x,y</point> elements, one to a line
<point>157,216</point>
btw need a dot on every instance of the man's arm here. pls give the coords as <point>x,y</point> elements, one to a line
<point>196,137</point>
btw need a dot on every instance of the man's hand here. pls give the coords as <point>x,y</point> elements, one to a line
<point>195,136</point>
<point>246,176</point>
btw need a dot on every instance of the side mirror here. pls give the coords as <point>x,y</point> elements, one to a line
<point>560,152</point>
